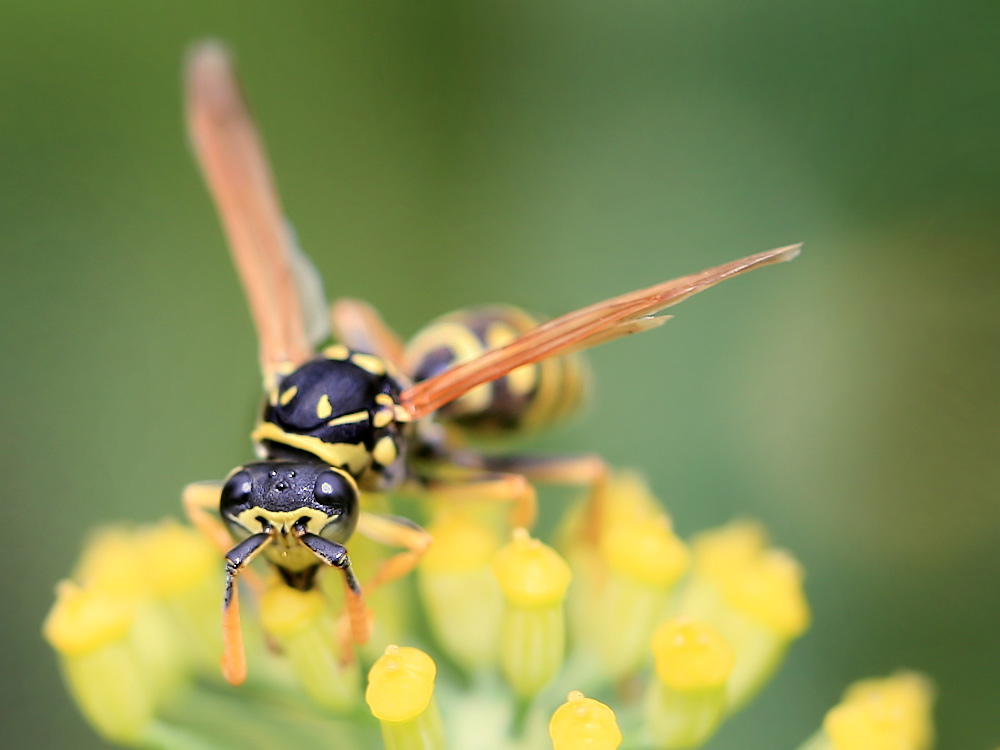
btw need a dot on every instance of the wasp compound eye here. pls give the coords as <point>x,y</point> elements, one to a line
<point>334,489</point>
<point>237,490</point>
<point>337,492</point>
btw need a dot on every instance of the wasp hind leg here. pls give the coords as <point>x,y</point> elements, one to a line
<point>394,531</point>
<point>465,484</point>
<point>586,470</point>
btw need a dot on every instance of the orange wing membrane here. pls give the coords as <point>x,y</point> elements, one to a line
<point>235,166</point>
<point>593,325</point>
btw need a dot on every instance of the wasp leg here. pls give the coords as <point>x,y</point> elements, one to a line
<point>201,506</point>
<point>465,484</point>
<point>397,532</point>
<point>586,470</point>
<point>234,662</point>
<point>335,555</point>
<point>357,325</point>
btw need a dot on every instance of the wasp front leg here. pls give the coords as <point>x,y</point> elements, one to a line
<point>335,555</point>
<point>201,506</point>
<point>234,662</point>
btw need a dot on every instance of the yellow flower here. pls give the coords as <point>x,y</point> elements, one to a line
<point>692,635</point>
<point>400,695</point>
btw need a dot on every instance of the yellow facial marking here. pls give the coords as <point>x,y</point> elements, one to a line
<point>385,451</point>
<point>383,417</point>
<point>385,399</point>
<point>401,414</point>
<point>354,416</point>
<point>323,407</point>
<point>337,351</point>
<point>368,362</point>
<point>283,521</point>
<point>288,395</point>
<point>286,550</point>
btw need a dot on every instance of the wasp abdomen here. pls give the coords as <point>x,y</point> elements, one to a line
<point>530,396</point>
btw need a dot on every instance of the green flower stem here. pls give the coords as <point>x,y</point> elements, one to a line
<point>425,732</point>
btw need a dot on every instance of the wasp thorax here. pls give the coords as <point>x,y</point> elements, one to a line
<point>342,408</point>
<point>290,498</point>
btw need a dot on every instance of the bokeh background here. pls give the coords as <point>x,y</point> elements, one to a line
<point>439,154</point>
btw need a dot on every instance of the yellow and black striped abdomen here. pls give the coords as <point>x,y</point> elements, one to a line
<point>529,397</point>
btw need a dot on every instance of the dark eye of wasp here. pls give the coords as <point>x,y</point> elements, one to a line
<point>237,490</point>
<point>337,494</point>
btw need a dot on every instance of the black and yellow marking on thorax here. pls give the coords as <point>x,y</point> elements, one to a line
<point>339,408</point>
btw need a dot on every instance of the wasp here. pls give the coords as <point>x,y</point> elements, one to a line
<point>372,413</point>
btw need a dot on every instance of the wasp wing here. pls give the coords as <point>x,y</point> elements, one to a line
<point>278,280</point>
<point>593,325</point>
<point>313,306</point>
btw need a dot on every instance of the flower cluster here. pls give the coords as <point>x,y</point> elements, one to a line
<point>496,643</point>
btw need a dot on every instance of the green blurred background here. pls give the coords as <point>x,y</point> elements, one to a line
<point>438,154</point>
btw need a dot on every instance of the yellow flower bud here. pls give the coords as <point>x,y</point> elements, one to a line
<point>400,684</point>
<point>752,595</point>
<point>530,573</point>
<point>687,700</point>
<point>285,611</point>
<point>628,579</point>
<point>768,590</point>
<point>720,551</point>
<point>83,620</point>
<point>584,724</point>
<point>111,562</point>
<point>886,713</point>
<point>459,591</point>
<point>176,558</point>
<point>90,630</point>
<point>307,631</point>
<point>645,550</point>
<point>691,656</point>
<point>534,579</point>
<point>400,695</point>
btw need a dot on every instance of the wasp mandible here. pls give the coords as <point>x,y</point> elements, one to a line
<point>368,413</point>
